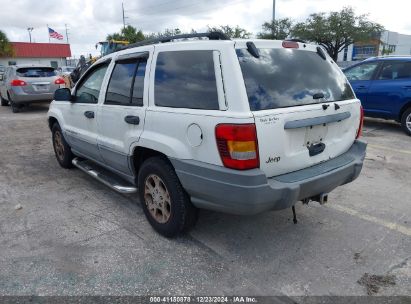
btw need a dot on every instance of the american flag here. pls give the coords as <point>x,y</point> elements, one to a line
<point>54,34</point>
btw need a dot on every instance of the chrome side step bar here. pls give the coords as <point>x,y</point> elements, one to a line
<point>104,176</point>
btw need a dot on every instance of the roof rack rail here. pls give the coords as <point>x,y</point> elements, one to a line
<point>210,36</point>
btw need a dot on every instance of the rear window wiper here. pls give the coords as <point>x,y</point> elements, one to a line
<point>318,95</point>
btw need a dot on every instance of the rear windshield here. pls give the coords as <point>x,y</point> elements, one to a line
<point>36,72</point>
<point>288,77</point>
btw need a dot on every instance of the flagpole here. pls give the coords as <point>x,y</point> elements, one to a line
<point>48,34</point>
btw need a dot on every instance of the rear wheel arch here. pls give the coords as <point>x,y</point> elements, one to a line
<point>141,154</point>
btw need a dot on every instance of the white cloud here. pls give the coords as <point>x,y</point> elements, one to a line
<point>90,21</point>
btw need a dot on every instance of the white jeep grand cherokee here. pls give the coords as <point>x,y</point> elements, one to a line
<point>238,126</point>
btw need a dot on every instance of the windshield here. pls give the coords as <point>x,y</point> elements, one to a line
<point>289,77</point>
<point>36,72</point>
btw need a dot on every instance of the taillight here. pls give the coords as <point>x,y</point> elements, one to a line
<point>290,44</point>
<point>238,146</point>
<point>359,132</point>
<point>18,83</point>
<point>59,81</point>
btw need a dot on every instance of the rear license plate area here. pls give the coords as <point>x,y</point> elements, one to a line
<point>315,134</point>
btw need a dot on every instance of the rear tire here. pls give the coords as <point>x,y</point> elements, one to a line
<point>61,149</point>
<point>15,108</point>
<point>165,203</point>
<point>406,121</point>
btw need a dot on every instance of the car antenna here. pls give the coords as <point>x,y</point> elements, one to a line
<point>294,215</point>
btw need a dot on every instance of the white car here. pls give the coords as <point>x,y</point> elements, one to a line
<point>237,126</point>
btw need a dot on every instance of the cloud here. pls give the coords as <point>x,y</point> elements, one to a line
<point>89,21</point>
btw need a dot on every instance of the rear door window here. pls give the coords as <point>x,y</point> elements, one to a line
<point>126,86</point>
<point>186,79</point>
<point>36,72</point>
<point>289,77</point>
<point>395,70</point>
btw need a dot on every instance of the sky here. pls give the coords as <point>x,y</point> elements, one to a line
<point>89,21</point>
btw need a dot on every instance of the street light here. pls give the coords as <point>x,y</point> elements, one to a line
<point>29,29</point>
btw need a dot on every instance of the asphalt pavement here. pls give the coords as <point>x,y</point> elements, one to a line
<point>74,236</point>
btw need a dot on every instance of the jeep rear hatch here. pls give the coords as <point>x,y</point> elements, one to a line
<point>304,108</point>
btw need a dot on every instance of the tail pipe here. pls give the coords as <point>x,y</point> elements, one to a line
<point>322,198</point>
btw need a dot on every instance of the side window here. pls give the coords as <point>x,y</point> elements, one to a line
<point>89,90</point>
<point>395,70</point>
<point>362,71</point>
<point>126,84</point>
<point>138,88</point>
<point>186,79</point>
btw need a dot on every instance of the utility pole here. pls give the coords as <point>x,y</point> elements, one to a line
<point>273,10</point>
<point>30,29</point>
<point>67,39</point>
<point>124,18</point>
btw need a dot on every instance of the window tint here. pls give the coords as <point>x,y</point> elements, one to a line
<point>89,89</point>
<point>395,70</point>
<point>138,88</point>
<point>186,79</point>
<point>361,72</point>
<point>36,72</point>
<point>126,85</point>
<point>119,88</point>
<point>288,77</point>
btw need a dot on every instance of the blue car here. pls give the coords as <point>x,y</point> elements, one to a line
<point>383,84</point>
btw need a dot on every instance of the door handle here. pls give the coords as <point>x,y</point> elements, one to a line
<point>361,87</point>
<point>89,114</point>
<point>407,87</point>
<point>133,120</point>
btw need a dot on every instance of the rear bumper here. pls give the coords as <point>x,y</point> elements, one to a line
<point>250,192</point>
<point>19,96</point>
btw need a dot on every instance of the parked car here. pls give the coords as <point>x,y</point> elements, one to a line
<point>26,84</point>
<point>2,70</point>
<point>65,70</point>
<point>383,84</point>
<point>242,126</point>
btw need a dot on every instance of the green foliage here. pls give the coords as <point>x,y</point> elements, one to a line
<point>278,29</point>
<point>165,33</point>
<point>337,30</point>
<point>5,46</point>
<point>232,32</point>
<point>129,33</point>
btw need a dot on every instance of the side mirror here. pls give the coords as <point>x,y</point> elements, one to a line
<point>63,94</point>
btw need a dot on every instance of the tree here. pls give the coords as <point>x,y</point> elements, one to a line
<point>232,32</point>
<point>166,33</point>
<point>337,30</point>
<point>5,46</point>
<point>129,33</point>
<point>276,29</point>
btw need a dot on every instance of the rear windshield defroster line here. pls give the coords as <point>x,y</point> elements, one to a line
<point>282,78</point>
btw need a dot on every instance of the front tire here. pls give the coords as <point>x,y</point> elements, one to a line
<point>4,102</point>
<point>165,203</point>
<point>61,149</point>
<point>406,121</point>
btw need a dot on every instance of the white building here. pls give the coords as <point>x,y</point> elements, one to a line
<point>390,43</point>
<point>49,54</point>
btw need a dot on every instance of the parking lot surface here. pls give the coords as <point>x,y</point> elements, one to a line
<point>75,236</point>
